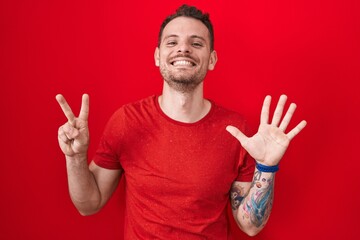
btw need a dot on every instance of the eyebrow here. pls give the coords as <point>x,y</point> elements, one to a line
<point>199,37</point>
<point>192,36</point>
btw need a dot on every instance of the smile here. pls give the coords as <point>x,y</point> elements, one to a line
<point>183,63</point>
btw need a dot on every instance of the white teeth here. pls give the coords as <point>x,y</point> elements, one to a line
<point>182,63</point>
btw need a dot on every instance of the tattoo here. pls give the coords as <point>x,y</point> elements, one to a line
<point>258,206</point>
<point>237,194</point>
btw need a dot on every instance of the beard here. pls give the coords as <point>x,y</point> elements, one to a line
<point>181,80</point>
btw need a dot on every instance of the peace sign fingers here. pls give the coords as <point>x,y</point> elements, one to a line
<point>84,111</point>
<point>73,136</point>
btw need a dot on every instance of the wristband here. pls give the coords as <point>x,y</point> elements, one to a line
<point>270,169</point>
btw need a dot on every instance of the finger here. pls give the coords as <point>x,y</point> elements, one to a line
<point>264,117</point>
<point>65,108</point>
<point>279,110</point>
<point>84,111</point>
<point>286,120</point>
<point>296,129</point>
<point>68,131</point>
<point>62,136</point>
<point>237,134</point>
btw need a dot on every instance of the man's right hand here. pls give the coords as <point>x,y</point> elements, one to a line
<point>73,136</point>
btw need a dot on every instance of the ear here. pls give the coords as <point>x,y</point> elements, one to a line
<point>157,57</point>
<point>212,61</point>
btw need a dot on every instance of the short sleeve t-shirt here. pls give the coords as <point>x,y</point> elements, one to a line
<point>177,175</point>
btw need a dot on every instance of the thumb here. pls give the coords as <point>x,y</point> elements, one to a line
<point>237,134</point>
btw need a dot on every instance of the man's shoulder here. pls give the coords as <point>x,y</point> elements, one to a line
<point>227,112</point>
<point>144,102</point>
<point>138,109</point>
<point>137,105</point>
<point>227,116</point>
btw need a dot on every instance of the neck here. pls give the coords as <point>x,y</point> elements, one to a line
<point>187,107</point>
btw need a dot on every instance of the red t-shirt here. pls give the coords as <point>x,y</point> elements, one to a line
<point>177,175</point>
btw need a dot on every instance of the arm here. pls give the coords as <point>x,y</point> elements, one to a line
<point>90,186</point>
<point>253,202</point>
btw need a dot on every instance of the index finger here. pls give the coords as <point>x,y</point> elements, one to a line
<point>65,108</point>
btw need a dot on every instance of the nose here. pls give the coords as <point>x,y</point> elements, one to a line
<point>183,48</point>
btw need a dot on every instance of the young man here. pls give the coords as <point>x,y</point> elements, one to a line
<point>180,164</point>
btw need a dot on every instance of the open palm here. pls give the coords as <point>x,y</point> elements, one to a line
<point>269,144</point>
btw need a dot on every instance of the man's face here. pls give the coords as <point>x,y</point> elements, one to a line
<point>184,55</point>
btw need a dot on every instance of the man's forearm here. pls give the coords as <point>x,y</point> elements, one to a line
<point>83,189</point>
<point>254,209</point>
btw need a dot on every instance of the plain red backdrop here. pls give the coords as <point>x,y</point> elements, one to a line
<point>307,49</point>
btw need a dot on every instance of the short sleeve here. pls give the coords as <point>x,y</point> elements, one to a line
<point>108,152</point>
<point>246,168</point>
<point>246,165</point>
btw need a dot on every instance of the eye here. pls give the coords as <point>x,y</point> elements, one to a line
<point>197,44</point>
<point>171,43</point>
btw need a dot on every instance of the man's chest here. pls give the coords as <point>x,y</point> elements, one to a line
<point>201,162</point>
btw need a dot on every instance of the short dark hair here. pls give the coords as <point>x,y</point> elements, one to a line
<point>192,12</point>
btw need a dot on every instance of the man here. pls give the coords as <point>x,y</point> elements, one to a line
<point>179,162</point>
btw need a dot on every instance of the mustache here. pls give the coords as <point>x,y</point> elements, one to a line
<point>181,55</point>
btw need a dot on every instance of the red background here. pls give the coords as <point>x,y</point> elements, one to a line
<point>307,49</point>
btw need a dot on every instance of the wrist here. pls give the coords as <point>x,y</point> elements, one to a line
<point>265,168</point>
<point>77,157</point>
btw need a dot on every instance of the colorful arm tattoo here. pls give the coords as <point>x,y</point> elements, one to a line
<point>237,194</point>
<point>258,205</point>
